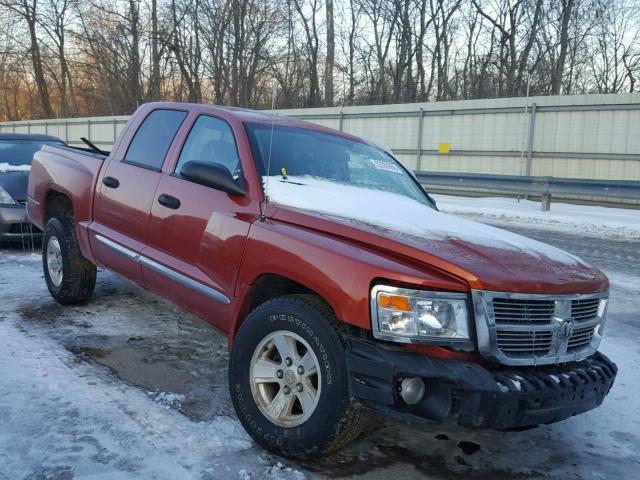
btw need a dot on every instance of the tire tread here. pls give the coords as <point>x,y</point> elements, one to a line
<point>354,419</point>
<point>79,279</point>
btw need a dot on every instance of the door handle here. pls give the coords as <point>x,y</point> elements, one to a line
<point>169,201</point>
<point>110,182</point>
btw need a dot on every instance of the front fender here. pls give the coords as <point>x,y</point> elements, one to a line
<point>341,272</point>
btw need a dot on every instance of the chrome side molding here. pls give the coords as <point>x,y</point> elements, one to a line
<point>166,271</point>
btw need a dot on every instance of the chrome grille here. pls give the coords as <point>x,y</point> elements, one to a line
<point>581,337</point>
<point>537,329</point>
<point>585,309</point>
<point>509,310</point>
<point>524,343</point>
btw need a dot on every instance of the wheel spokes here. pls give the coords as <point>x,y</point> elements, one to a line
<point>307,398</point>
<point>308,362</point>
<point>286,346</point>
<point>281,405</point>
<point>54,261</point>
<point>265,371</point>
<point>285,378</point>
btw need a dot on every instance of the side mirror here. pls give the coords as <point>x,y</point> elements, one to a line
<point>211,175</point>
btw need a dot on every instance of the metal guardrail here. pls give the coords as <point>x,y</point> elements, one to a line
<point>545,187</point>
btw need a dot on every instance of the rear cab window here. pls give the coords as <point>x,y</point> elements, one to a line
<point>150,144</point>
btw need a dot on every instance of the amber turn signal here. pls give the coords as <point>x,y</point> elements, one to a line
<point>394,302</point>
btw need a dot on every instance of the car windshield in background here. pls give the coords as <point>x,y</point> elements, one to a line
<point>307,153</point>
<point>20,152</point>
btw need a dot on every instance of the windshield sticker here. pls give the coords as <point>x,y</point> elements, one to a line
<point>388,166</point>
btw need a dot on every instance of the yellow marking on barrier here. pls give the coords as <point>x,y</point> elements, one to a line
<point>444,148</point>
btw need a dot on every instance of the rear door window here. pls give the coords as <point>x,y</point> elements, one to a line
<point>151,142</point>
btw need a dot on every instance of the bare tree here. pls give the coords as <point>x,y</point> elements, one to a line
<point>154,81</point>
<point>184,44</point>
<point>66,57</point>
<point>349,47</point>
<point>312,45</point>
<point>133,29</point>
<point>384,20</point>
<point>508,20</point>
<point>56,19</point>
<point>27,10</point>
<point>566,8</point>
<point>331,51</point>
<point>614,59</point>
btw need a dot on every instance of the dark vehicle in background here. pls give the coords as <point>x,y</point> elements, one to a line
<point>16,153</point>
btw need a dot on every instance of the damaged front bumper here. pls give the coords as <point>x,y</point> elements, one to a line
<point>472,396</point>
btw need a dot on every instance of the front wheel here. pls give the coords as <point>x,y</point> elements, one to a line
<point>70,277</point>
<point>288,378</point>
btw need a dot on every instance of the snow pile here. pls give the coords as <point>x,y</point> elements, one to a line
<point>169,400</point>
<point>399,215</point>
<point>7,167</point>
<point>586,220</point>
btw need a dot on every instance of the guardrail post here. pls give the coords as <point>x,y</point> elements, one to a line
<point>115,130</point>
<point>545,192</point>
<point>419,145</point>
<point>532,131</point>
<point>340,120</point>
<point>66,131</point>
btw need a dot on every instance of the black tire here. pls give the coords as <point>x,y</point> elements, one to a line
<point>78,273</point>
<point>336,419</point>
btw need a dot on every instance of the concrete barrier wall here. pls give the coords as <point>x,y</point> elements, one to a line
<point>578,136</point>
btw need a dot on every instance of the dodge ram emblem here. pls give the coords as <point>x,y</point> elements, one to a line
<point>564,329</point>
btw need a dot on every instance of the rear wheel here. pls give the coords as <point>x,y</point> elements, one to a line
<point>70,277</point>
<point>288,378</point>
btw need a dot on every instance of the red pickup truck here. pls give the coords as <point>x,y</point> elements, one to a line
<point>342,289</point>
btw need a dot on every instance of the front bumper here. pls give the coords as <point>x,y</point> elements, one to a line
<point>469,395</point>
<point>15,225</point>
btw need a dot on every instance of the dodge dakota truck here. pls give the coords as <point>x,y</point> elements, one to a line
<point>342,288</point>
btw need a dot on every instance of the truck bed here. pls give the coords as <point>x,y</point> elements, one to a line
<point>63,170</point>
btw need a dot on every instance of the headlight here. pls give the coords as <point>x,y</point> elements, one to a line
<point>5,198</point>
<point>420,316</point>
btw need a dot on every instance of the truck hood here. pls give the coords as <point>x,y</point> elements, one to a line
<point>486,257</point>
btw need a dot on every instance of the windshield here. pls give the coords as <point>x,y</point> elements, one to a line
<point>20,152</point>
<point>303,157</point>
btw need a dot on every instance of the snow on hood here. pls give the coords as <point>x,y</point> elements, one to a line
<point>7,167</point>
<point>401,216</point>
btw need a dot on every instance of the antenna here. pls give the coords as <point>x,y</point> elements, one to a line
<point>274,94</point>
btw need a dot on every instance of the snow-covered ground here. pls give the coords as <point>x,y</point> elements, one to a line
<point>62,417</point>
<point>587,220</point>
<point>129,386</point>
